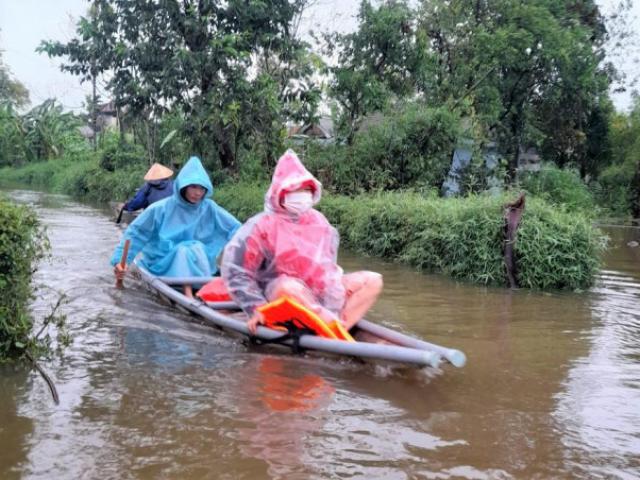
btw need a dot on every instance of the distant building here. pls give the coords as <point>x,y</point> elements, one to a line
<point>86,131</point>
<point>321,131</point>
<point>107,116</point>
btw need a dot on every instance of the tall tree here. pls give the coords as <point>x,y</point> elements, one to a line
<point>198,56</point>
<point>12,91</point>
<point>374,63</point>
<point>88,55</point>
<point>513,61</point>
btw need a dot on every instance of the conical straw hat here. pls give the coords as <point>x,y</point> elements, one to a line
<point>158,172</point>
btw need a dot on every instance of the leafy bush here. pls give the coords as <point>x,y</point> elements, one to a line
<point>408,149</point>
<point>559,187</point>
<point>116,154</point>
<point>613,189</point>
<point>242,200</point>
<point>22,243</point>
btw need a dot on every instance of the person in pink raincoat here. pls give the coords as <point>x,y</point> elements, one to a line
<point>291,249</point>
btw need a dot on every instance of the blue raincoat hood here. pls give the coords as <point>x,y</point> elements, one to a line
<point>193,173</point>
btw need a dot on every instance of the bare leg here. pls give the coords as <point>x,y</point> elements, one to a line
<point>364,288</point>
<point>298,291</point>
<point>188,291</point>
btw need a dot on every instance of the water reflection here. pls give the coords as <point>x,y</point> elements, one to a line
<point>283,405</point>
<point>15,428</point>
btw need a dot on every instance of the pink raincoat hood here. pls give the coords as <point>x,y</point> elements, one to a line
<point>289,175</point>
<point>277,243</point>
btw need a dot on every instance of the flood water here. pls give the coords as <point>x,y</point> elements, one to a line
<point>551,388</point>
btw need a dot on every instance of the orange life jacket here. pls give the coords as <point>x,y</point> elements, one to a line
<point>286,311</point>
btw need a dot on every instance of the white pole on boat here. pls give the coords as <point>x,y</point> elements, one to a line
<point>453,356</point>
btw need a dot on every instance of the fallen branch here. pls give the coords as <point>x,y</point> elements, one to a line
<point>52,387</point>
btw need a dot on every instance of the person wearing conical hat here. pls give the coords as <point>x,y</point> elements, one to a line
<point>158,185</point>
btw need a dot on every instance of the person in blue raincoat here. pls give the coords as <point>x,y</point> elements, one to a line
<point>182,235</point>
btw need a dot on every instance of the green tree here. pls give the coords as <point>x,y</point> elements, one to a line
<point>11,90</point>
<point>620,182</point>
<point>46,129</point>
<point>515,65</point>
<point>374,64</point>
<point>196,56</point>
<point>89,54</point>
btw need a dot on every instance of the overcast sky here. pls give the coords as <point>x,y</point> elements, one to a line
<point>24,23</point>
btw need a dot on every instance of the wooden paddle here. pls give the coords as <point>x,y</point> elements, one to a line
<point>120,215</point>
<point>123,261</point>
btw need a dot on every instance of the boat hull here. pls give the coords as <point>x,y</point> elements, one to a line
<point>375,342</point>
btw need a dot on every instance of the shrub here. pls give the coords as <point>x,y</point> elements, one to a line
<point>613,188</point>
<point>562,188</point>
<point>242,200</point>
<point>408,149</point>
<point>116,154</point>
<point>22,244</point>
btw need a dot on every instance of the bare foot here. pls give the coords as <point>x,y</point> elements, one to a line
<point>188,291</point>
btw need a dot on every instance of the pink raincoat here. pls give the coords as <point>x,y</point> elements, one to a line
<point>277,242</point>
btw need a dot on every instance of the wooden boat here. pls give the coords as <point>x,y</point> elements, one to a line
<point>374,342</point>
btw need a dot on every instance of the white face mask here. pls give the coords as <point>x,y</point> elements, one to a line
<point>298,202</point>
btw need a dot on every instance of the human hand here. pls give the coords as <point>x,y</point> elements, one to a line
<point>254,321</point>
<point>119,271</point>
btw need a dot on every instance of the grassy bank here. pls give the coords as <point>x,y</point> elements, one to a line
<point>556,247</point>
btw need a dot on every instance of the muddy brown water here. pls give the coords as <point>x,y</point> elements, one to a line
<point>551,388</point>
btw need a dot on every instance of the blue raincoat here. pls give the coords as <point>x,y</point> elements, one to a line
<point>178,238</point>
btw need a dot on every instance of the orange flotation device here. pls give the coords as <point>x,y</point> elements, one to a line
<point>285,314</point>
<point>214,291</point>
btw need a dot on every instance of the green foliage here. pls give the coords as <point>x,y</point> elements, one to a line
<point>22,243</point>
<point>557,249</point>
<point>374,62</point>
<point>618,186</point>
<point>82,178</point>
<point>464,237</point>
<point>12,146</point>
<point>242,200</point>
<point>231,69</point>
<point>561,188</point>
<point>12,92</point>
<point>614,187</point>
<point>42,133</point>
<point>409,148</point>
<point>47,129</point>
<point>117,154</point>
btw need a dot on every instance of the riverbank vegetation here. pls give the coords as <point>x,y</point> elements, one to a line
<point>23,243</point>
<point>413,89</point>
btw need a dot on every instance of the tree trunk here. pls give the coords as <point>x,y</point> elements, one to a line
<point>635,195</point>
<point>517,127</point>
<point>94,112</point>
